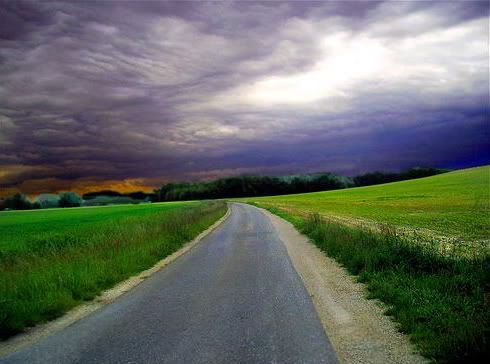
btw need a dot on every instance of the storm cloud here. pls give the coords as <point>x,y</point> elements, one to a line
<point>138,93</point>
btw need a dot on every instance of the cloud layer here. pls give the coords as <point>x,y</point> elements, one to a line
<point>158,91</point>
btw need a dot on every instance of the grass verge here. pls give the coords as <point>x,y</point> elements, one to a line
<point>441,302</point>
<point>57,272</point>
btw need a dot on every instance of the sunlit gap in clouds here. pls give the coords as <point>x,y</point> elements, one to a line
<point>343,64</point>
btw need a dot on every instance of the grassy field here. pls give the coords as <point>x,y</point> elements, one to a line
<point>52,260</point>
<point>20,228</point>
<point>440,299</point>
<point>454,204</point>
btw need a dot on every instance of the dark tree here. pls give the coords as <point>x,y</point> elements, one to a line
<point>139,195</point>
<point>110,193</point>
<point>69,199</point>
<point>248,186</point>
<point>376,178</point>
<point>17,202</point>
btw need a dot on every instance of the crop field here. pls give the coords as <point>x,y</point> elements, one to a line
<point>52,260</point>
<point>19,228</point>
<point>454,204</point>
<point>438,297</point>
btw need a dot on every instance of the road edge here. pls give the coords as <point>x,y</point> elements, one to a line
<point>36,333</point>
<point>357,327</point>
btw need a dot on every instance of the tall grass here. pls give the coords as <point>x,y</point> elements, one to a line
<point>440,301</point>
<point>58,271</point>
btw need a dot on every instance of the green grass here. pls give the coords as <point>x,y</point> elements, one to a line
<point>52,260</point>
<point>454,204</point>
<point>440,300</point>
<point>19,228</point>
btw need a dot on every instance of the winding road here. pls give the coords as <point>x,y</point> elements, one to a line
<point>234,298</point>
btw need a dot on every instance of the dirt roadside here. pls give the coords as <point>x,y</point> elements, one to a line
<point>355,325</point>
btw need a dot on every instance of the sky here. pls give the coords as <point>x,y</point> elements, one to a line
<point>129,95</point>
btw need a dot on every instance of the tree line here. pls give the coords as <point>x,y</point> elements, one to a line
<point>376,178</point>
<point>250,186</point>
<point>230,187</point>
<point>20,201</point>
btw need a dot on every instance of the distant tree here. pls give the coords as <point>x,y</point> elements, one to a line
<point>139,195</point>
<point>421,172</point>
<point>376,178</point>
<point>91,195</point>
<point>48,200</point>
<point>69,199</point>
<point>18,201</point>
<point>246,186</point>
<point>156,195</point>
<point>109,200</point>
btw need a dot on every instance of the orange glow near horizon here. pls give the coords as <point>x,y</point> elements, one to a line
<point>32,188</point>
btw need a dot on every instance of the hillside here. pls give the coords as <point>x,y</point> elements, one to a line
<point>455,204</point>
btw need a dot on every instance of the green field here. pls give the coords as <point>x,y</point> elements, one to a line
<point>52,260</point>
<point>438,297</point>
<point>454,204</point>
<point>18,229</point>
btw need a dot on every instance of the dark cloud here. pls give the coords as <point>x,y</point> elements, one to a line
<point>108,91</point>
<point>19,18</point>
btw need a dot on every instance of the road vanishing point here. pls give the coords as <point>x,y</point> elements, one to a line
<point>234,298</point>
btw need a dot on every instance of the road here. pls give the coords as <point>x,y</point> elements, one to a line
<point>234,298</point>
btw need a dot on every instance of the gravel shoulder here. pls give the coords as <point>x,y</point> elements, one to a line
<point>356,326</point>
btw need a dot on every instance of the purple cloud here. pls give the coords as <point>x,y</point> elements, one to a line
<point>178,90</point>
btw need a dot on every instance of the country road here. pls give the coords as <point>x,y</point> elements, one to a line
<point>234,298</point>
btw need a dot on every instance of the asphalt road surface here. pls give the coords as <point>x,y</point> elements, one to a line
<point>234,298</point>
